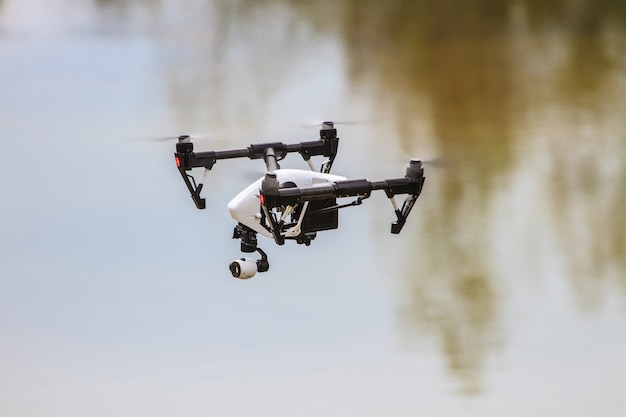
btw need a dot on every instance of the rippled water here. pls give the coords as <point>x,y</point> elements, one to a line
<point>504,294</point>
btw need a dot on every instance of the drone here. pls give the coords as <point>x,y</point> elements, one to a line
<point>292,204</point>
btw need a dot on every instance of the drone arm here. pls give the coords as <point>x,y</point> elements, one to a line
<point>271,152</point>
<point>187,159</point>
<point>348,188</point>
<point>411,184</point>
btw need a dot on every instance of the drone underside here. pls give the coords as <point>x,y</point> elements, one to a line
<point>291,203</point>
<point>298,220</point>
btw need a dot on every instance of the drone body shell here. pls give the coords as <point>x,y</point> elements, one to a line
<point>245,206</point>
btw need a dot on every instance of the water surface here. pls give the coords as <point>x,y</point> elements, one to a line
<point>504,294</point>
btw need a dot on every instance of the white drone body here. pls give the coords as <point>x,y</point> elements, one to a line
<point>245,207</point>
<point>292,204</point>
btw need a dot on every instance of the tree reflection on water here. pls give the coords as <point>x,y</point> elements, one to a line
<point>498,82</point>
<point>504,87</point>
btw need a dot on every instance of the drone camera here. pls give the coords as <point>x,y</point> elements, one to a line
<point>243,268</point>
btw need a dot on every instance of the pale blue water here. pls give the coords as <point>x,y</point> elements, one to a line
<point>504,295</point>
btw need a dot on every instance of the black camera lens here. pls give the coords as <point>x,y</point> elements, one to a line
<point>235,269</point>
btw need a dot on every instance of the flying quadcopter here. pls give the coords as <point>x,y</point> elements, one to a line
<point>292,204</point>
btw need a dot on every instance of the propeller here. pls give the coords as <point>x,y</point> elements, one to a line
<point>187,137</point>
<point>177,137</point>
<point>434,162</point>
<point>317,123</point>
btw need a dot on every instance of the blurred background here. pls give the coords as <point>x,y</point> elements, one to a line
<point>504,295</point>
